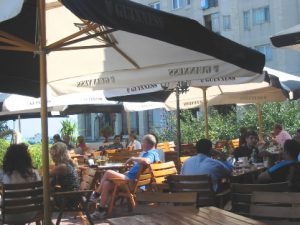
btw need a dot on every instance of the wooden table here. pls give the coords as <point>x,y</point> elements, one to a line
<point>205,215</point>
<point>246,175</point>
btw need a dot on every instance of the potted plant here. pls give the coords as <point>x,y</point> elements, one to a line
<point>106,132</point>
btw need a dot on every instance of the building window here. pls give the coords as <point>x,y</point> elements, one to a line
<point>266,50</point>
<point>246,17</point>
<point>261,15</point>
<point>226,23</point>
<point>212,22</point>
<point>206,4</point>
<point>88,125</point>
<point>155,5</point>
<point>177,4</point>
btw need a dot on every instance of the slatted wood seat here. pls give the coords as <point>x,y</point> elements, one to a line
<point>241,194</point>
<point>160,171</point>
<point>22,203</point>
<point>283,208</point>
<point>127,188</point>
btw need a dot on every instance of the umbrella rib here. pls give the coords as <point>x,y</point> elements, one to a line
<point>17,48</point>
<point>82,47</point>
<point>17,41</point>
<point>61,42</point>
<point>53,5</point>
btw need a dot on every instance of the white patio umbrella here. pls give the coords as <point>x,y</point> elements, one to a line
<point>121,59</point>
<point>288,38</point>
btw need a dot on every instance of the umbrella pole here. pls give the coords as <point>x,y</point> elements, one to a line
<point>205,111</point>
<point>260,122</point>
<point>44,122</point>
<point>19,123</point>
<point>178,121</point>
<point>128,122</point>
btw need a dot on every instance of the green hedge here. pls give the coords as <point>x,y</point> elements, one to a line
<point>34,150</point>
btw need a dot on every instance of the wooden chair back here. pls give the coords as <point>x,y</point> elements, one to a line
<point>220,144</point>
<point>188,150</point>
<point>87,179</point>
<point>166,146</point>
<point>241,194</point>
<point>201,184</point>
<point>96,154</point>
<point>161,170</point>
<point>182,159</point>
<point>21,199</point>
<point>123,156</point>
<point>271,205</point>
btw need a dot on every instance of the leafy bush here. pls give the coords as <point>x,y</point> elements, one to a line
<point>36,155</point>
<point>3,147</point>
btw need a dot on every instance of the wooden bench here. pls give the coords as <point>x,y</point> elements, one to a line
<point>167,146</point>
<point>159,173</point>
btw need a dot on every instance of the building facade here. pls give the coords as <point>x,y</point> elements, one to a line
<point>250,23</point>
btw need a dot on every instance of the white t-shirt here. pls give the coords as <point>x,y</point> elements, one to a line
<point>136,144</point>
<point>16,178</point>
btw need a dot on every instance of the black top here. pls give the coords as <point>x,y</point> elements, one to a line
<point>245,151</point>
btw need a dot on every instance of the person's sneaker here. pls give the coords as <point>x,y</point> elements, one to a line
<point>100,213</point>
<point>95,197</point>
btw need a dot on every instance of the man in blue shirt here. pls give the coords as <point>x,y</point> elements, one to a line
<point>204,164</point>
<point>281,171</point>
<point>106,186</point>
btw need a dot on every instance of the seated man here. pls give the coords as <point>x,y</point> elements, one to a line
<point>246,149</point>
<point>281,171</point>
<point>149,156</point>
<point>280,135</point>
<point>203,164</point>
<point>116,145</point>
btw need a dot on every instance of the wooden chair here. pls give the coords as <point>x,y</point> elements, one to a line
<point>220,144</point>
<point>150,202</point>
<point>166,146</point>
<point>182,159</point>
<point>283,208</point>
<point>22,203</point>
<point>122,156</point>
<point>241,194</point>
<point>188,150</point>
<point>159,173</point>
<point>194,183</point>
<point>77,201</point>
<point>127,188</point>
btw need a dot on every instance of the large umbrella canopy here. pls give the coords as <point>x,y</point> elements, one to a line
<point>134,45</point>
<point>288,38</point>
<point>14,105</point>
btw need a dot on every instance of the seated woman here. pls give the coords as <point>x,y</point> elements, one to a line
<point>81,146</point>
<point>133,142</point>
<point>17,168</point>
<point>64,173</point>
<point>281,172</point>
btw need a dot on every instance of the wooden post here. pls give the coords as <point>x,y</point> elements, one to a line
<point>205,111</point>
<point>44,119</point>
<point>178,121</point>
<point>128,122</point>
<point>19,123</point>
<point>260,122</point>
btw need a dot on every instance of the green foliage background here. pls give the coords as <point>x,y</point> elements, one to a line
<point>226,126</point>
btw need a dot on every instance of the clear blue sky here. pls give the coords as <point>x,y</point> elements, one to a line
<point>30,127</point>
